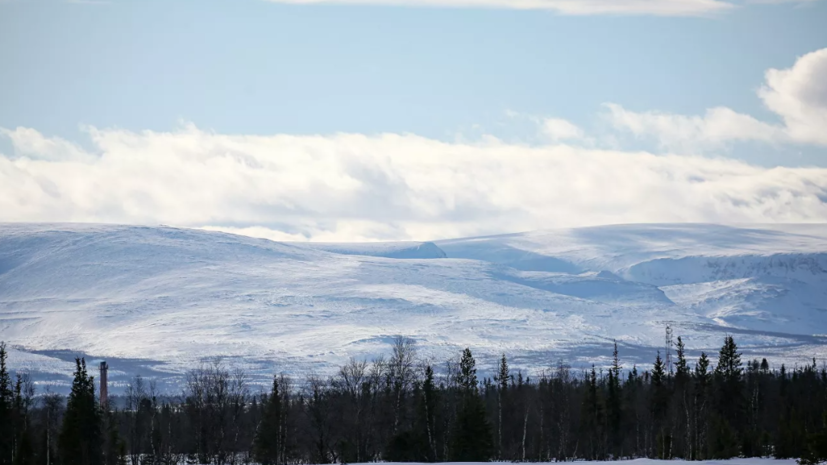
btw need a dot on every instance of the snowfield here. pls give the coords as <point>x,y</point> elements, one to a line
<point>157,300</point>
<point>750,461</point>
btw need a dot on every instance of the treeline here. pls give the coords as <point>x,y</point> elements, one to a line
<point>398,409</point>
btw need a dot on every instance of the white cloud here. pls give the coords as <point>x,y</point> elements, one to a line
<point>30,143</point>
<point>571,7</point>
<point>682,133</point>
<point>356,187</point>
<point>798,95</point>
<point>535,128</point>
<point>558,129</point>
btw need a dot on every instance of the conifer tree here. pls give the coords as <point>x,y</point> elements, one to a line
<point>467,375</point>
<point>471,441</point>
<point>22,399</point>
<point>592,422</point>
<point>681,406</point>
<point>699,414</point>
<point>660,405</point>
<point>729,361</point>
<point>269,436</point>
<point>502,378</point>
<point>636,410</point>
<point>728,375</point>
<point>614,404</point>
<point>79,442</point>
<point>681,367</point>
<point>6,407</point>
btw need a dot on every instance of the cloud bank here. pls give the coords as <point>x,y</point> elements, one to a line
<point>798,96</point>
<point>344,187</point>
<point>390,186</point>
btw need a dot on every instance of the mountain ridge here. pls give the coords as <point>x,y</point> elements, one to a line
<point>176,296</point>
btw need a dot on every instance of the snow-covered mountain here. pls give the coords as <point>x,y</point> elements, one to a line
<point>158,300</point>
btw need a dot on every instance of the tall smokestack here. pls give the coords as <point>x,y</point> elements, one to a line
<point>104,400</point>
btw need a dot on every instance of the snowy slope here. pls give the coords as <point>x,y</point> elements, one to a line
<point>159,299</point>
<point>765,278</point>
<point>401,250</point>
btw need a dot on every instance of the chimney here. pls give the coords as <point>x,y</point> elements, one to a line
<point>104,392</point>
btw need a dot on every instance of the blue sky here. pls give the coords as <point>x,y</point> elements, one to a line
<point>467,73</point>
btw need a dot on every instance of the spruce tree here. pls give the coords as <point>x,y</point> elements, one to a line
<point>79,442</point>
<point>681,367</point>
<point>592,418</point>
<point>659,393</point>
<point>700,401</point>
<point>632,394</point>
<point>6,408</point>
<point>502,378</point>
<point>471,440</point>
<point>467,376</point>
<point>660,405</point>
<point>23,446</point>
<point>614,405</point>
<point>729,361</point>
<point>268,440</point>
<point>728,375</point>
<point>681,404</point>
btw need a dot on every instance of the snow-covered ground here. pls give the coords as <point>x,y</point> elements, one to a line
<point>157,300</point>
<point>750,461</point>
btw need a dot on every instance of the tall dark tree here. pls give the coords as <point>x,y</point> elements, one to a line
<point>6,411</point>
<point>24,453</point>
<point>681,367</point>
<point>682,405</point>
<point>637,413</point>
<point>79,442</point>
<point>700,400</point>
<point>728,377</point>
<point>660,406</point>
<point>592,423</point>
<point>502,378</point>
<point>729,373</point>
<point>614,405</point>
<point>471,441</point>
<point>268,446</point>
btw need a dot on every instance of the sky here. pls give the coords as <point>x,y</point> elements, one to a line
<point>348,120</point>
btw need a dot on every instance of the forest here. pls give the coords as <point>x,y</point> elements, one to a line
<point>397,408</point>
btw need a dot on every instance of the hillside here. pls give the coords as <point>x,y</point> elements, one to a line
<point>157,299</point>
